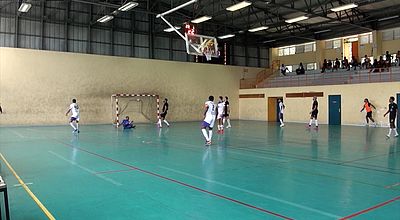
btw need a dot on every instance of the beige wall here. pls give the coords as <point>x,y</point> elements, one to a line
<point>36,87</point>
<point>297,109</point>
<point>391,45</point>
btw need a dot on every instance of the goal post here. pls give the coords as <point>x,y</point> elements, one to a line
<point>140,107</point>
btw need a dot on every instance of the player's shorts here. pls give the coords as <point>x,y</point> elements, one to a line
<point>220,116</point>
<point>163,115</point>
<point>369,114</point>
<point>210,125</point>
<point>314,114</point>
<point>392,119</point>
<point>281,116</point>
<point>74,119</point>
<point>226,115</point>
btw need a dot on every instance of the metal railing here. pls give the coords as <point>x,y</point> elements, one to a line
<point>333,78</point>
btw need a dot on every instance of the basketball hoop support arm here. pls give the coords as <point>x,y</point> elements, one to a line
<point>171,26</point>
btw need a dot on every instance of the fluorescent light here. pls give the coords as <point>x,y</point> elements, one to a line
<point>268,41</point>
<point>238,6</point>
<point>201,19</point>
<point>226,36</point>
<point>293,20</point>
<point>105,18</point>
<point>171,29</point>
<point>388,18</point>
<point>323,31</point>
<point>128,6</point>
<point>258,29</point>
<point>24,7</point>
<point>344,7</point>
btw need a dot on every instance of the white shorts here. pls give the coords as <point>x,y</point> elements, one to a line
<point>220,116</point>
<point>208,123</point>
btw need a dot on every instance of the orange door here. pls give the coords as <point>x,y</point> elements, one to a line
<point>354,49</point>
<point>272,108</point>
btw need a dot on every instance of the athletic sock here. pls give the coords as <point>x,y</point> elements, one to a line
<point>224,120</point>
<point>281,121</point>
<point>316,122</point>
<point>77,126</point>
<point>229,122</point>
<point>166,122</point>
<point>159,122</point>
<point>390,132</point>
<point>72,125</point>
<point>310,122</point>
<point>395,132</point>
<point>205,133</point>
<point>210,135</point>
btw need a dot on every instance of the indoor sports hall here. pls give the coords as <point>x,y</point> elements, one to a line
<point>199,109</point>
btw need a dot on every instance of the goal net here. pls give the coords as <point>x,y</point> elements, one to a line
<point>141,108</point>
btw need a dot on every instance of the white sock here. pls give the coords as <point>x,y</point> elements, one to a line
<point>395,132</point>
<point>310,122</point>
<point>281,121</point>
<point>205,133</point>
<point>210,134</point>
<point>72,125</point>
<point>390,132</point>
<point>316,122</point>
<point>166,122</point>
<point>159,122</point>
<point>77,126</point>
<point>229,122</point>
<point>224,120</point>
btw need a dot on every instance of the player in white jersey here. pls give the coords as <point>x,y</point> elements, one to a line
<point>209,119</point>
<point>281,109</point>
<point>74,109</point>
<point>220,115</point>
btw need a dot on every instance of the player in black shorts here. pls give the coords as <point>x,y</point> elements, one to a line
<point>164,114</point>
<point>392,111</point>
<point>226,113</point>
<point>314,112</point>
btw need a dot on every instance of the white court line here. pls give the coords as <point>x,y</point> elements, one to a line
<point>255,193</point>
<point>268,158</point>
<point>17,133</point>
<point>87,169</point>
<point>18,185</point>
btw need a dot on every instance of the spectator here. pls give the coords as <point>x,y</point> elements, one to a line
<point>284,69</point>
<point>398,57</point>
<point>376,66</point>
<point>388,61</point>
<point>336,65</point>
<point>330,65</point>
<point>381,63</point>
<point>324,66</point>
<point>354,62</point>
<point>300,70</point>
<point>345,63</point>
<point>366,63</point>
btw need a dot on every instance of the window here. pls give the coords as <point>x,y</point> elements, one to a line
<point>292,50</point>
<point>396,34</point>
<point>300,49</point>
<point>337,43</point>
<point>329,44</point>
<point>311,66</point>
<point>387,35</point>
<point>290,68</point>
<point>309,47</point>
<point>286,51</point>
<point>280,52</point>
<point>366,39</point>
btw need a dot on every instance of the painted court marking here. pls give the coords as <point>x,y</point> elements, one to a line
<point>179,182</point>
<point>30,193</point>
<point>370,209</point>
<point>87,169</point>
<point>254,193</point>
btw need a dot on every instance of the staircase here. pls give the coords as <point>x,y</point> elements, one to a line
<point>263,75</point>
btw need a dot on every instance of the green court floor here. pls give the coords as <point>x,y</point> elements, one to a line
<point>256,170</point>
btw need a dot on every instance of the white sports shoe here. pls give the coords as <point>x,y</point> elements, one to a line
<point>282,125</point>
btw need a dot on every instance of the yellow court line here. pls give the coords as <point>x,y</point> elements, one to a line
<point>41,206</point>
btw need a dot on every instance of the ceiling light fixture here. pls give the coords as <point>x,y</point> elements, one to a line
<point>238,6</point>
<point>344,7</point>
<point>105,18</point>
<point>128,6</point>
<point>24,7</point>
<point>388,18</point>
<point>226,36</point>
<point>172,29</point>
<point>322,31</point>
<point>258,29</point>
<point>293,20</point>
<point>201,19</point>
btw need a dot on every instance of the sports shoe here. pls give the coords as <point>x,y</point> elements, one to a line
<point>208,143</point>
<point>228,126</point>
<point>282,125</point>
<point>396,135</point>
<point>387,136</point>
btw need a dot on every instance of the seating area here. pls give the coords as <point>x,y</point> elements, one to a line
<point>342,76</point>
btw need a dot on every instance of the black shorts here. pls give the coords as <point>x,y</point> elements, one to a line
<point>281,116</point>
<point>226,115</point>
<point>392,120</point>
<point>314,114</point>
<point>369,114</point>
<point>163,115</point>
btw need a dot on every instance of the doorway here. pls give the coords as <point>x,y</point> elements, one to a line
<point>273,108</point>
<point>335,115</point>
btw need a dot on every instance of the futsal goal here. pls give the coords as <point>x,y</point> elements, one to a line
<point>141,108</point>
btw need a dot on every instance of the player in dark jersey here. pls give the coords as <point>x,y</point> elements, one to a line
<point>314,112</point>
<point>127,124</point>
<point>368,108</point>
<point>164,114</point>
<point>227,110</point>
<point>392,111</point>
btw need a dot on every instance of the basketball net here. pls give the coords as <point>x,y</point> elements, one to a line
<point>208,50</point>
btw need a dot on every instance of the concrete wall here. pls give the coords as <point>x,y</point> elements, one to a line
<point>36,87</point>
<point>297,109</point>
